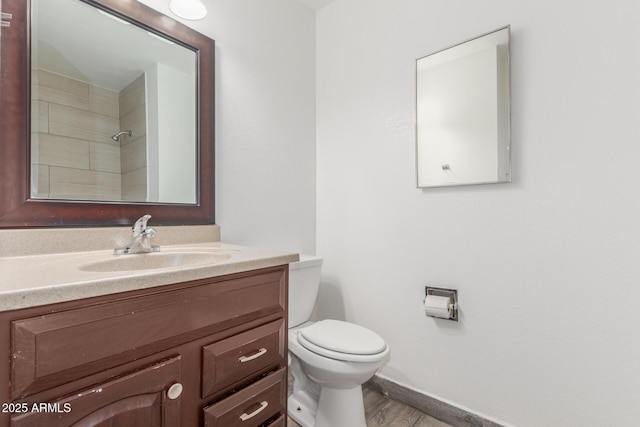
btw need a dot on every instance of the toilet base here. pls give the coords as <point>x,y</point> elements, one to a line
<point>298,412</point>
<point>312,405</point>
<point>340,408</point>
<point>336,408</point>
<point>302,404</point>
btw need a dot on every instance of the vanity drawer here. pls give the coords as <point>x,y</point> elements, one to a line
<point>251,406</point>
<point>56,348</point>
<point>243,356</point>
<point>281,421</point>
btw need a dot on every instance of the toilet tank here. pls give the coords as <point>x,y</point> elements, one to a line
<point>304,282</point>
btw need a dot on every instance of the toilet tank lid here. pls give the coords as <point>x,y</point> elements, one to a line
<point>306,261</point>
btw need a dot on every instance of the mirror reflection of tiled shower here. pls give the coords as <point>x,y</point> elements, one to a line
<point>133,149</point>
<point>73,154</point>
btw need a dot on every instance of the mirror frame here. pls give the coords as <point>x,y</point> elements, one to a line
<point>17,208</point>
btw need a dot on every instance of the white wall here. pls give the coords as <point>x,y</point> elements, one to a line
<point>265,120</point>
<point>548,266</point>
<point>171,147</point>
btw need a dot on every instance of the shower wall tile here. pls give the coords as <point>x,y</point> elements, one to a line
<point>56,150</point>
<point>104,101</point>
<point>40,181</point>
<point>135,121</point>
<point>134,150</point>
<point>73,155</point>
<point>34,83</point>
<point>104,157</point>
<point>134,185</point>
<point>136,178</point>
<point>84,184</point>
<point>134,154</point>
<point>135,194</point>
<point>40,116</point>
<point>35,155</point>
<point>132,96</point>
<point>63,90</point>
<point>74,123</point>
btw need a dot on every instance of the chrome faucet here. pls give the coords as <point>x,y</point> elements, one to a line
<point>140,239</point>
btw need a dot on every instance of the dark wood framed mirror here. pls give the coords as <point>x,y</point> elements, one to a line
<point>19,206</point>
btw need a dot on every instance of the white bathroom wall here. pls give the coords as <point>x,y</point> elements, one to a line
<point>265,120</point>
<point>548,266</point>
<point>175,148</point>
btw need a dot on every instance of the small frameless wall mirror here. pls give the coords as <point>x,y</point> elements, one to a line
<point>462,113</point>
<point>113,107</point>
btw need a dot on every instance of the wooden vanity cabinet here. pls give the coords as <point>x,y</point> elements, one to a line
<point>141,398</point>
<point>211,352</point>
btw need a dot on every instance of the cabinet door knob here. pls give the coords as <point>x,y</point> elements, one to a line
<point>260,352</point>
<point>245,416</point>
<point>174,391</point>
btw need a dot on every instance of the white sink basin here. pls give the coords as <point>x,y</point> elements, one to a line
<point>156,260</point>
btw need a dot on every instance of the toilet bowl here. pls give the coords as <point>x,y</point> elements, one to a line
<point>328,359</point>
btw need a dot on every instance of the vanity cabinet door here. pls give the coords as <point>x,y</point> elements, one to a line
<point>149,397</point>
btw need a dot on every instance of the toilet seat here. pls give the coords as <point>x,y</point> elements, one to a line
<point>345,341</point>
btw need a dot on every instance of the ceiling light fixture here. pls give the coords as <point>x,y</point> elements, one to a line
<point>188,9</point>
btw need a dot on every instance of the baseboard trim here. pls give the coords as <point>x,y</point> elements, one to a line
<point>431,406</point>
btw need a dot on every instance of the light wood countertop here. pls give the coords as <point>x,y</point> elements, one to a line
<point>31,280</point>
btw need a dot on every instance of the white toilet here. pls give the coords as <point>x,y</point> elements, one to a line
<point>329,359</point>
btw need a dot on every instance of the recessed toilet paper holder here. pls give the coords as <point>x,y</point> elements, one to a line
<point>452,294</point>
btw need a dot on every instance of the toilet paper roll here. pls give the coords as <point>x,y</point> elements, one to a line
<point>437,306</point>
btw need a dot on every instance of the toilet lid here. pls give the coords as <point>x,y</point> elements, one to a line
<point>343,337</point>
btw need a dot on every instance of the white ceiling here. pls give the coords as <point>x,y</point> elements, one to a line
<point>71,41</point>
<point>74,32</point>
<point>316,4</point>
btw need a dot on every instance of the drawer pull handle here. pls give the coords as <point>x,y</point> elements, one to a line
<point>245,416</point>
<point>260,352</point>
<point>174,391</point>
<point>6,16</point>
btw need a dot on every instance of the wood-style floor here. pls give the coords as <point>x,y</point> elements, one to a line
<point>381,411</point>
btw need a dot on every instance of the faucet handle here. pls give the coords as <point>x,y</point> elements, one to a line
<point>141,225</point>
<point>140,240</point>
